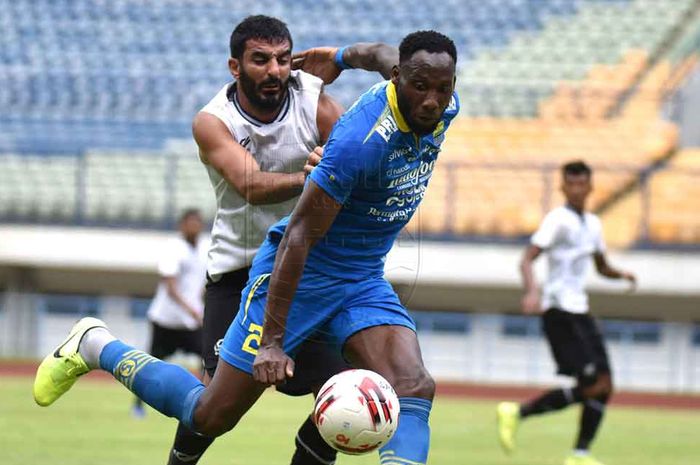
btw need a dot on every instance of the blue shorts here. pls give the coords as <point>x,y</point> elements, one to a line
<point>324,308</point>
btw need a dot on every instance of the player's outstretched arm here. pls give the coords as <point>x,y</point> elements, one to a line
<point>238,167</point>
<point>310,221</point>
<point>605,269</point>
<point>530,301</point>
<point>328,62</point>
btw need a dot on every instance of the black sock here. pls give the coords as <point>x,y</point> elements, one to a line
<point>591,416</point>
<point>188,447</point>
<point>311,448</point>
<point>556,399</point>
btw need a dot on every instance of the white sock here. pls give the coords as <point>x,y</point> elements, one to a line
<point>92,344</point>
<point>580,452</point>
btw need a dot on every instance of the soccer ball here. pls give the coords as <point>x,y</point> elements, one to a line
<point>356,411</point>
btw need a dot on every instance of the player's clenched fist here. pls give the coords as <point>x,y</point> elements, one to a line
<point>272,365</point>
<point>313,160</point>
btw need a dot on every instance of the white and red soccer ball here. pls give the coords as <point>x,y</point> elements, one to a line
<point>356,411</point>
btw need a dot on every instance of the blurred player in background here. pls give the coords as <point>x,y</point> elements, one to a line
<point>384,148</point>
<point>569,236</point>
<point>258,138</point>
<point>177,308</point>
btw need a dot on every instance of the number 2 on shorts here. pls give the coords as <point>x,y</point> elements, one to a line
<point>253,338</point>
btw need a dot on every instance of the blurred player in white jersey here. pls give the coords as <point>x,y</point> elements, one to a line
<point>569,236</point>
<point>176,310</point>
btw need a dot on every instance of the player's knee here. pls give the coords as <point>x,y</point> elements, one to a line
<point>420,385</point>
<point>607,390</point>
<point>601,389</point>
<point>213,421</point>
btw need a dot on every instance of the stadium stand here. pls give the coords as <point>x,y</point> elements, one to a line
<point>511,141</point>
<point>104,93</point>
<point>675,200</point>
<point>131,74</point>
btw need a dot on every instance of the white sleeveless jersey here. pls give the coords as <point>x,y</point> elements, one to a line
<point>569,240</point>
<point>281,146</point>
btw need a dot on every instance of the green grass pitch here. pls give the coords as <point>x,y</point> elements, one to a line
<point>91,425</point>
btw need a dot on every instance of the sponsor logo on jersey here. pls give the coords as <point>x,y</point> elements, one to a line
<point>415,176</point>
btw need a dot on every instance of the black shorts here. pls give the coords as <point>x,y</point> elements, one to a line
<point>166,341</point>
<point>314,363</point>
<point>576,343</point>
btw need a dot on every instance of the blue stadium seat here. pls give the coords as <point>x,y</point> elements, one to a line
<point>85,64</point>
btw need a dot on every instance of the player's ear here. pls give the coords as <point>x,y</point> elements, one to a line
<point>395,74</point>
<point>234,67</point>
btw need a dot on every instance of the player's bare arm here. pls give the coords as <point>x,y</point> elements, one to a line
<point>530,302</point>
<point>327,113</point>
<point>321,61</point>
<point>605,269</point>
<point>171,286</point>
<point>310,221</point>
<point>238,167</point>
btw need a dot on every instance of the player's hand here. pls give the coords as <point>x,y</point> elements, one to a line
<point>313,160</point>
<point>530,303</point>
<point>319,61</point>
<point>272,365</point>
<point>632,279</point>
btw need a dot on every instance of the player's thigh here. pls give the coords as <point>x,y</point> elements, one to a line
<point>222,300</point>
<point>378,334</point>
<point>192,341</point>
<point>228,396</point>
<point>565,341</point>
<point>394,353</point>
<point>163,342</point>
<point>313,302</point>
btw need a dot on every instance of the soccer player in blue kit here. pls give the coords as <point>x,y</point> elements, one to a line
<point>320,270</point>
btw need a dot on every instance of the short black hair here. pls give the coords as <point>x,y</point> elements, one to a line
<point>258,27</point>
<point>189,212</point>
<point>430,41</point>
<point>575,168</point>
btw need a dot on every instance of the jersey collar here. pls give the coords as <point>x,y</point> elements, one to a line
<point>394,107</point>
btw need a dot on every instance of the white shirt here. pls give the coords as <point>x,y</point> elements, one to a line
<point>280,146</point>
<point>569,239</point>
<point>188,265</point>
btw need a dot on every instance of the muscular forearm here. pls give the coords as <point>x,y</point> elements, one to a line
<point>372,57</point>
<point>288,269</point>
<point>264,187</point>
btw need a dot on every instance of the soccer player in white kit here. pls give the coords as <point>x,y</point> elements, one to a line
<point>177,308</point>
<point>569,236</point>
<point>259,138</point>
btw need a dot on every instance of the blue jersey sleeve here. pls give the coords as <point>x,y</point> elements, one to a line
<point>342,165</point>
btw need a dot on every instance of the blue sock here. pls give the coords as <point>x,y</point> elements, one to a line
<point>168,388</point>
<point>411,442</point>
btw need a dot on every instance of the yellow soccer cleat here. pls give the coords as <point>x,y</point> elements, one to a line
<point>576,459</point>
<point>508,419</point>
<point>61,368</point>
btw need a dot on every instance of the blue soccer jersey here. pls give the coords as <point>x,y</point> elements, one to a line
<point>379,170</point>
